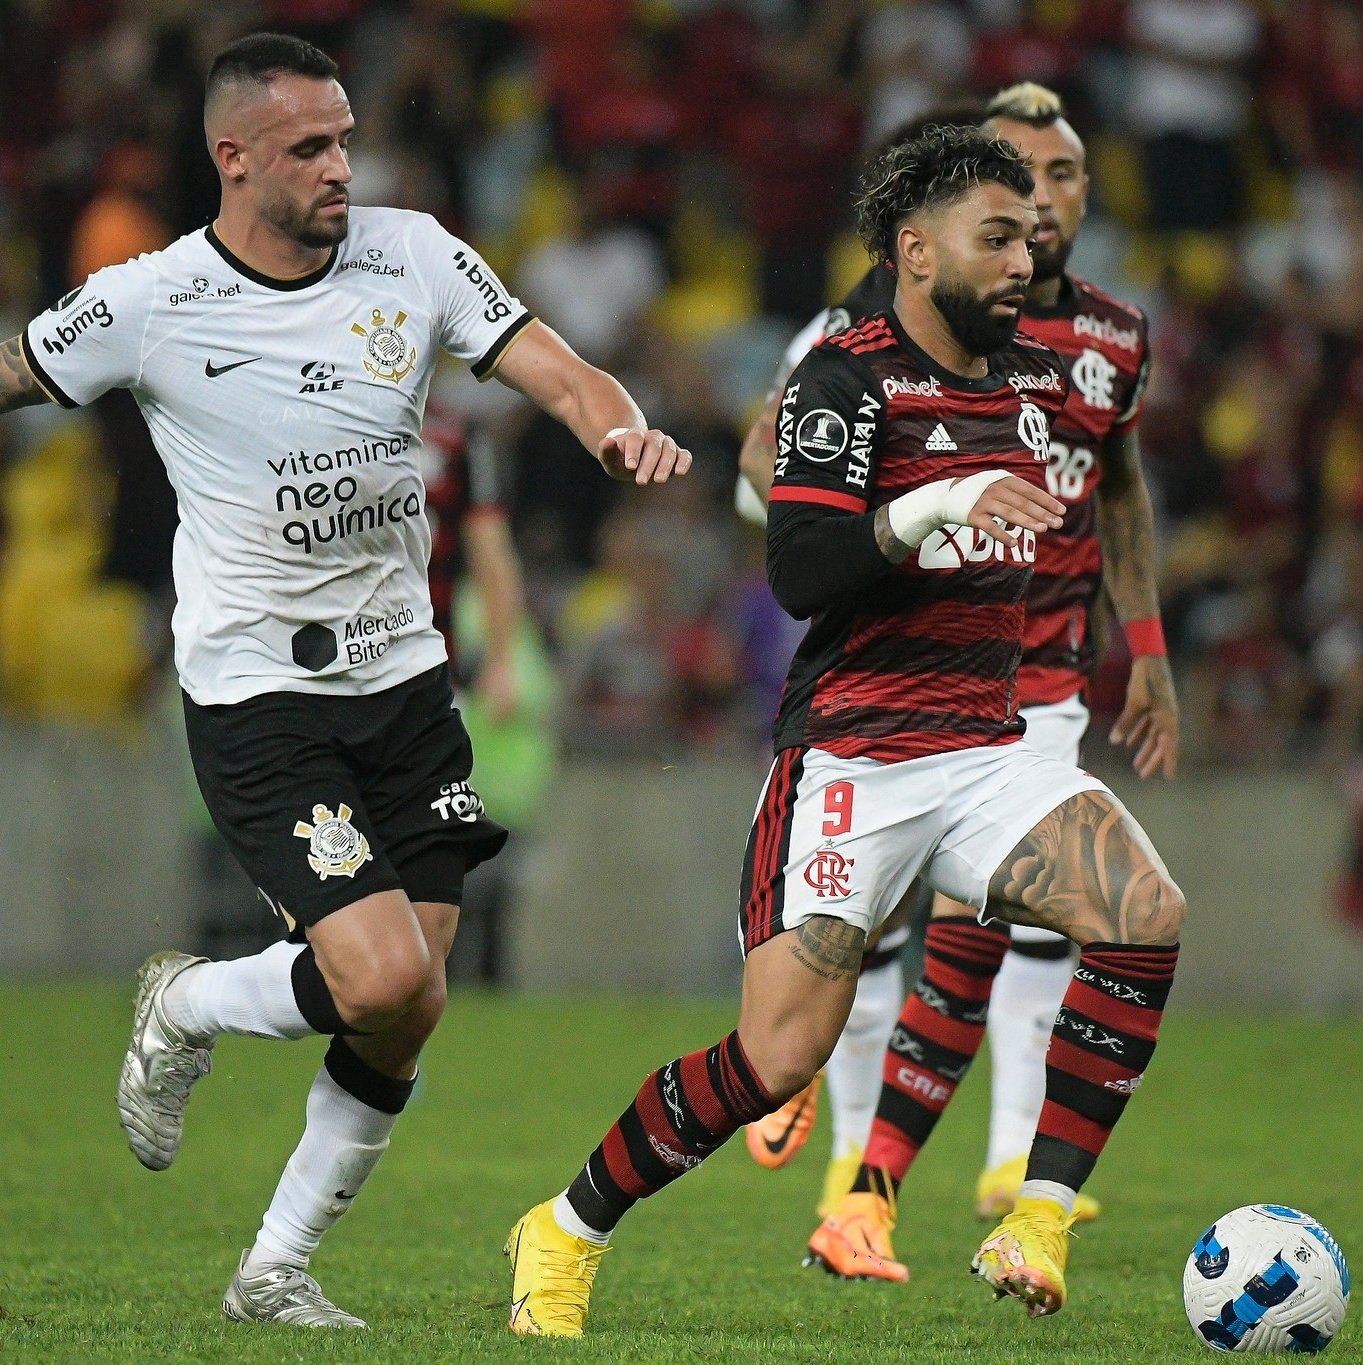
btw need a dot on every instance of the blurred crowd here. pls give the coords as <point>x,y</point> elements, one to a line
<point>667,183</point>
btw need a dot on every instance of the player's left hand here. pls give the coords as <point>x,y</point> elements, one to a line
<point>645,456</point>
<point>1149,721</point>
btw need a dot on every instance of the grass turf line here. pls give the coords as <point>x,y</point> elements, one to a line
<point>103,1261</point>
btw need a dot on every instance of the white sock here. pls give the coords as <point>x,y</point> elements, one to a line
<point>1049,1189</point>
<point>341,1145</point>
<point>566,1217</point>
<point>854,1070</point>
<point>252,995</point>
<point>1022,1009</point>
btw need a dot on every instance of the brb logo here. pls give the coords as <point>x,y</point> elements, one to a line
<point>829,872</point>
<point>954,546</point>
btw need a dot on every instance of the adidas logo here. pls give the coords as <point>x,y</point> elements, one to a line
<point>939,440</point>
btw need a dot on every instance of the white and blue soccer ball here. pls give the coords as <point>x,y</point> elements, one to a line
<point>1266,1279</point>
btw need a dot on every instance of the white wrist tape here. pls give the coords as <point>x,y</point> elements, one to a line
<point>915,516</point>
<point>618,431</point>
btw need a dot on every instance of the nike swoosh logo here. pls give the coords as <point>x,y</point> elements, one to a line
<point>345,1194</point>
<point>776,1148</point>
<point>213,371</point>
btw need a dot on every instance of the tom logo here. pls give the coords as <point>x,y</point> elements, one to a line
<point>829,873</point>
<point>1034,431</point>
<point>335,847</point>
<point>388,354</point>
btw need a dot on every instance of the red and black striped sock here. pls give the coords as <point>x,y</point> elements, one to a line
<point>938,1034</point>
<point>1103,1040</point>
<point>681,1114</point>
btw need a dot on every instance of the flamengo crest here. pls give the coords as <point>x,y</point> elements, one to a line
<point>390,355</point>
<point>336,847</point>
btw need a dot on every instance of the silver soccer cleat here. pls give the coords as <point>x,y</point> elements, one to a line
<point>160,1067</point>
<point>282,1294</point>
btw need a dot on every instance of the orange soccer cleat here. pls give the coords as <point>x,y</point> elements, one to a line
<point>855,1242</point>
<point>774,1140</point>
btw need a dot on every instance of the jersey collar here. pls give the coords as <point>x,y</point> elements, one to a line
<point>269,281</point>
<point>949,379</point>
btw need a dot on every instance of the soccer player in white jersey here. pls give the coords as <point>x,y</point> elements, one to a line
<point>281,359</point>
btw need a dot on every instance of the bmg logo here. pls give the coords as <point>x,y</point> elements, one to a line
<point>68,333</point>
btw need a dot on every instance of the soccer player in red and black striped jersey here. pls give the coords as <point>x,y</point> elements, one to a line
<point>909,493</point>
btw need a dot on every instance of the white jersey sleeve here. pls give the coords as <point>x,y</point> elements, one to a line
<point>479,317</point>
<point>92,340</point>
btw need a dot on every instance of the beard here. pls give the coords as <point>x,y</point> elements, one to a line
<point>304,226</point>
<point>1048,263</point>
<point>968,315</point>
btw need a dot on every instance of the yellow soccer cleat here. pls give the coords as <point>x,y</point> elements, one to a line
<point>1024,1257</point>
<point>551,1276</point>
<point>855,1244</point>
<point>837,1181</point>
<point>775,1139</point>
<point>996,1192</point>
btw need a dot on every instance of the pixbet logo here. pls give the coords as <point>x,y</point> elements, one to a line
<point>1104,329</point>
<point>893,387</point>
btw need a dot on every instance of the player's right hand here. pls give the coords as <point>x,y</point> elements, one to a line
<point>1015,502</point>
<point>644,456</point>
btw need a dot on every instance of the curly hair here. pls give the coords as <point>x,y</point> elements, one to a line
<point>941,165</point>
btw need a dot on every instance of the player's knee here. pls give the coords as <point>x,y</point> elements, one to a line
<point>1156,914</point>
<point>392,984</point>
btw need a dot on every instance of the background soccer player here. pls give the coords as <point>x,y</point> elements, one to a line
<point>281,358</point>
<point>907,498</point>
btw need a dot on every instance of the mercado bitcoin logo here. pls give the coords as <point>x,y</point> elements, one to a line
<point>389,355</point>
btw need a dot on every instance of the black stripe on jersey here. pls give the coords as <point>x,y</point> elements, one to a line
<point>269,281</point>
<point>1057,591</point>
<point>917,654</point>
<point>53,390</point>
<point>991,585</point>
<point>492,357</point>
<point>882,722</point>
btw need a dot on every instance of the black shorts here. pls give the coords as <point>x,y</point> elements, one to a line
<point>326,800</point>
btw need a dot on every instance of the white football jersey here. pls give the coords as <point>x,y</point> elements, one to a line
<point>288,414</point>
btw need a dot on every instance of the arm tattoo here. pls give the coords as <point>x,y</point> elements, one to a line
<point>890,544</point>
<point>1088,871</point>
<point>18,388</point>
<point>829,947</point>
<point>1126,528</point>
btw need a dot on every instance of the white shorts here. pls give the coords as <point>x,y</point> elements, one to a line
<point>845,836</point>
<point>1057,729</point>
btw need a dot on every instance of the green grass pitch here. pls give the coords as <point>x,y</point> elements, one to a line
<point>103,1261</point>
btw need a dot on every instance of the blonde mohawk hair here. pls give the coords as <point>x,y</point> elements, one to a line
<point>1027,102</point>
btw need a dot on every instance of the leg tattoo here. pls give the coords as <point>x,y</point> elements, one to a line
<point>1088,871</point>
<point>830,947</point>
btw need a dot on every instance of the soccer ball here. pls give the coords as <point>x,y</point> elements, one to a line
<point>1266,1279</point>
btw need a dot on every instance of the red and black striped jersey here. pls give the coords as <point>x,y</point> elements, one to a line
<point>925,659</point>
<point>1104,344</point>
<point>459,468</point>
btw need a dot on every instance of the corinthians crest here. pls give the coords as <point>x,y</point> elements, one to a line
<point>389,354</point>
<point>337,848</point>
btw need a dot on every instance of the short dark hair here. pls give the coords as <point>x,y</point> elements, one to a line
<point>962,114</point>
<point>1027,102</point>
<point>259,57</point>
<point>940,166</point>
